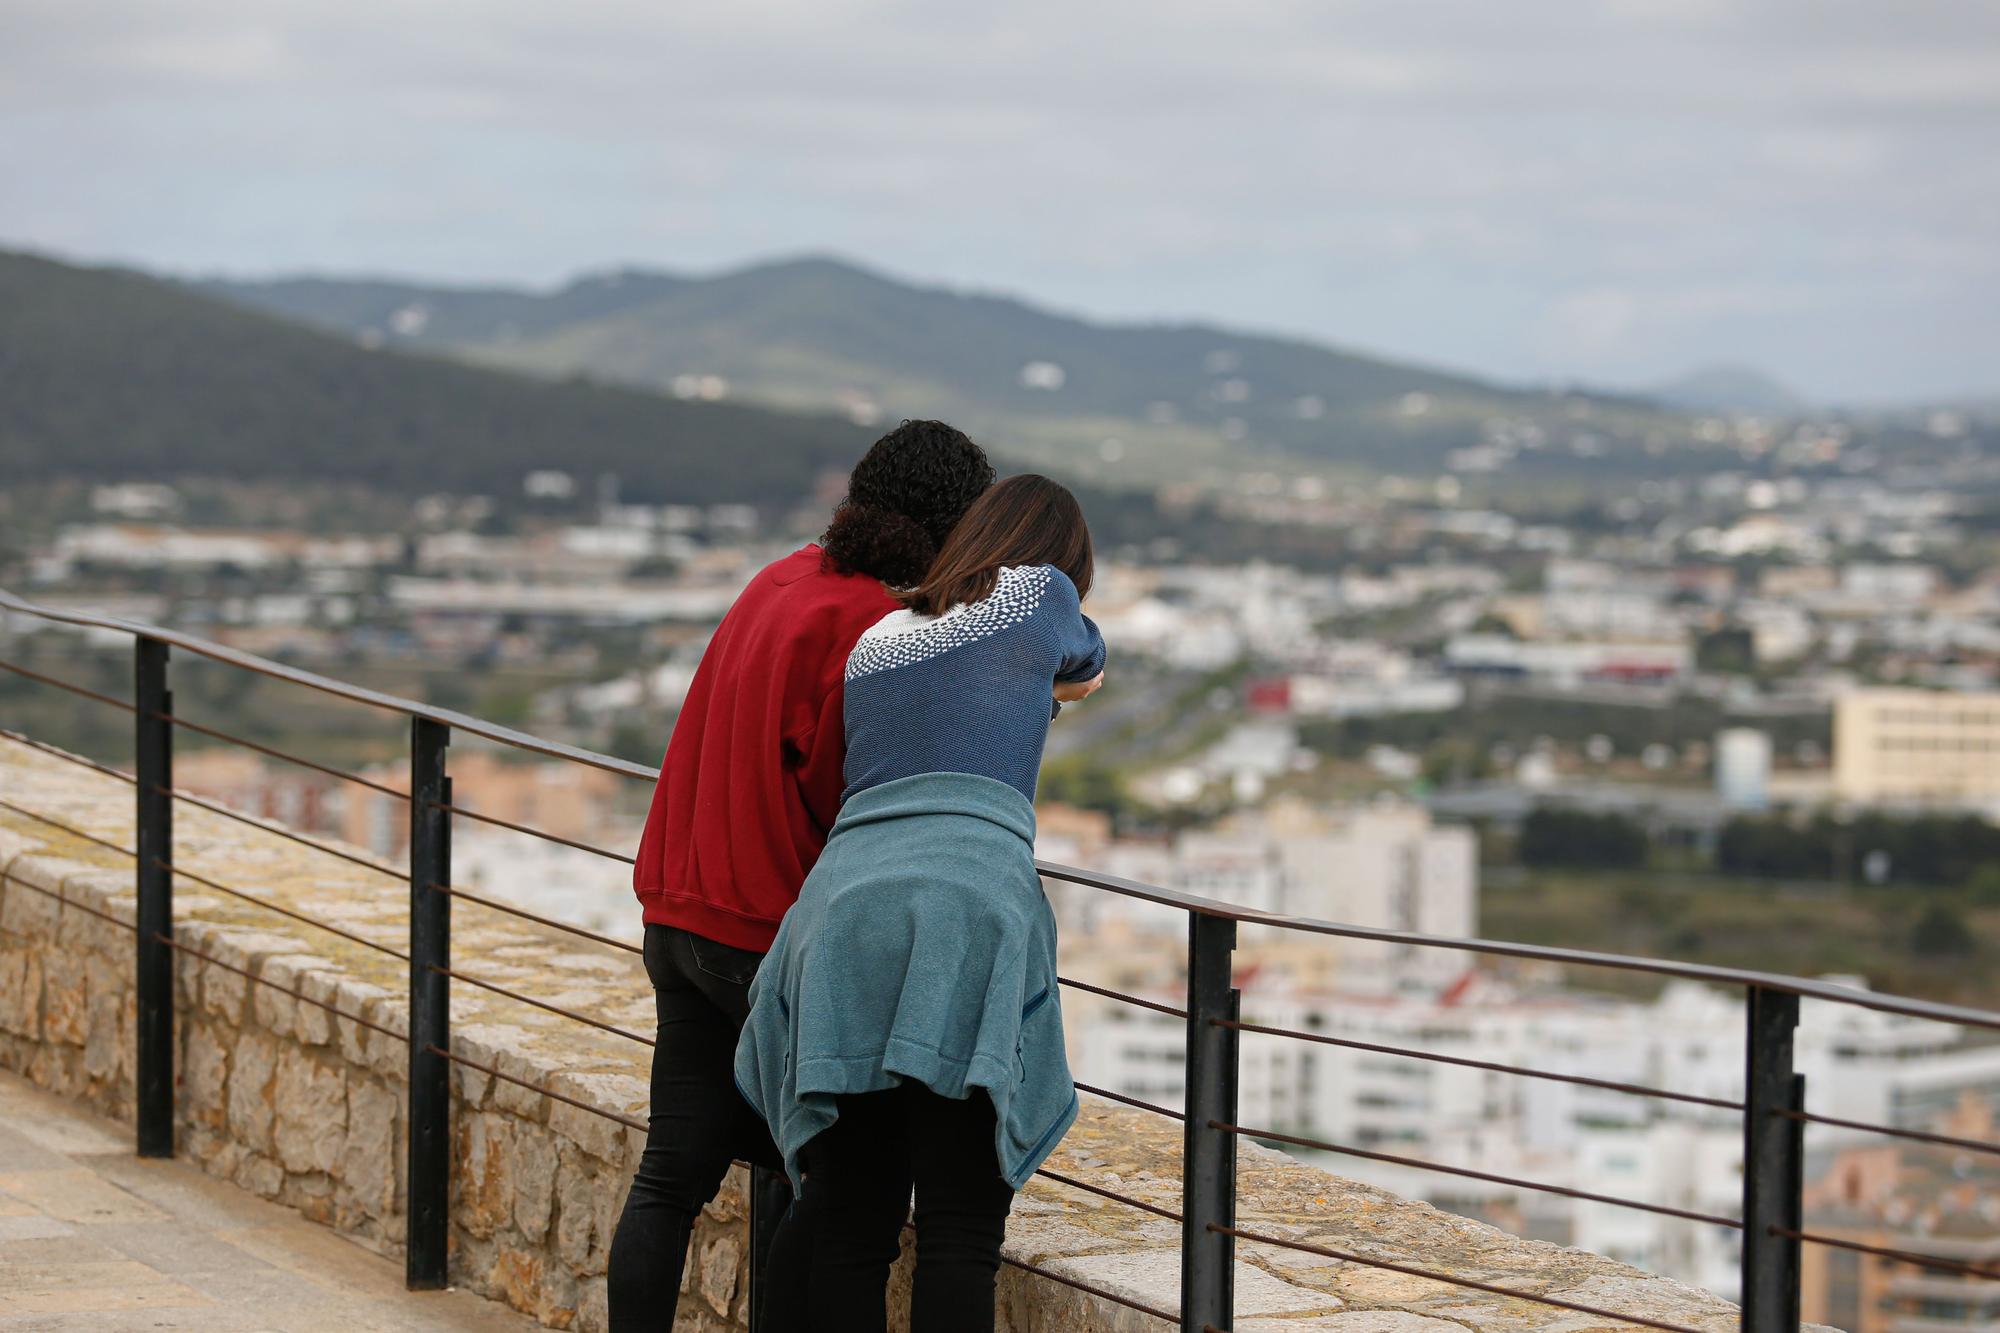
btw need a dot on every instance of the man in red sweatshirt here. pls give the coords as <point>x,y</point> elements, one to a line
<point>748,791</point>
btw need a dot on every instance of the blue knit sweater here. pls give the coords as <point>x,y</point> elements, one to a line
<point>967,691</point>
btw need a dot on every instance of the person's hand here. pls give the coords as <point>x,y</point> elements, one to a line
<point>1074,691</point>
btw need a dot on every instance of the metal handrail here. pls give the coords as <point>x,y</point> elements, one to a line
<point>1192,903</point>
<point>1773,1109</point>
<point>263,666</point>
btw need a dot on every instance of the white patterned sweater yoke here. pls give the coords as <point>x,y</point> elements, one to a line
<point>968,691</point>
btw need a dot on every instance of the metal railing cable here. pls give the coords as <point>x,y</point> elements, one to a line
<point>20,670</point>
<point>543,834</point>
<point>1122,997</point>
<point>550,1093</point>
<point>70,829</point>
<point>277,830</point>
<point>1113,1195</point>
<point>340,689</point>
<point>281,910</point>
<point>598,1023</point>
<point>9,877</point>
<point>55,753</point>
<point>1408,1270</point>
<point>1089,1289</point>
<point>1915,1257</point>
<point>1418,1163</point>
<point>1610,1085</point>
<point>215,733</point>
<point>1914,1135</point>
<point>1802,987</point>
<point>1109,1095</point>
<point>292,991</point>
<point>537,918</point>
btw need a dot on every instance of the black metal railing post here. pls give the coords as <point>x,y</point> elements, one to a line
<point>429,1216</point>
<point>1208,1160</point>
<point>153,980</point>
<point>1773,1164</point>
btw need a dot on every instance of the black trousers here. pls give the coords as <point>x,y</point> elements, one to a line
<point>846,1229</point>
<point>698,1125</point>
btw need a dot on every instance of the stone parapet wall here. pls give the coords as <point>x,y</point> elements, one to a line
<point>306,1108</point>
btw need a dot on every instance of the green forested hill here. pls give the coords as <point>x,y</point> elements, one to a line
<point>108,373</point>
<point>820,334</point>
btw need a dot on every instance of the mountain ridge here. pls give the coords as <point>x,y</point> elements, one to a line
<point>1117,402</point>
<point>111,372</point>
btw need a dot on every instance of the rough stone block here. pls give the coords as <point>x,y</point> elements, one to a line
<point>253,1064</point>
<point>21,993</point>
<point>535,1163</point>
<point>485,1175</point>
<point>65,998</point>
<point>368,1161</point>
<point>309,1102</point>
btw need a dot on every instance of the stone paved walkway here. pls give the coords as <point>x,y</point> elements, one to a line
<point>92,1237</point>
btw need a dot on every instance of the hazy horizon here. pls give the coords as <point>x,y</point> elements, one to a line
<point>1612,196</point>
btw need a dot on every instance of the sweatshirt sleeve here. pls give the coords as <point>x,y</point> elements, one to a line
<point>822,759</point>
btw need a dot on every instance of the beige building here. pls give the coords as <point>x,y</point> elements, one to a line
<point>1932,746</point>
<point>1921,1200</point>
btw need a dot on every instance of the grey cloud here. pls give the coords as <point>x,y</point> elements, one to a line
<point>1538,188</point>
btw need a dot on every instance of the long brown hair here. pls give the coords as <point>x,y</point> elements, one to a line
<point>1025,520</point>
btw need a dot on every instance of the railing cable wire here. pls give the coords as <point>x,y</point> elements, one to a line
<point>215,808</point>
<point>579,1104</point>
<point>1409,1271</point>
<point>70,829</point>
<point>1122,997</point>
<point>1906,1256</point>
<point>20,670</point>
<point>55,752</point>
<point>543,834</point>
<point>232,739</point>
<point>543,1004</point>
<point>1634,1089</point>
<point>270,906</point>
<point>71,903</point>
<point>1418,1163</point>
<point>1915,1135</point>
<point>1112,1195</point>
<point>538,919</point>
<point>1130,1101</point>
<point>295,993</point>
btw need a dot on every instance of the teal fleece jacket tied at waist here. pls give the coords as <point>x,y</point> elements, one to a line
<point>921,947</point>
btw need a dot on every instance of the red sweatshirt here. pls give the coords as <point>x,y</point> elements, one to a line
<point>752,778</point>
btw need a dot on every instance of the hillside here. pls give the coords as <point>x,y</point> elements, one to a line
<point>820,334</point>
<point>110,373</point>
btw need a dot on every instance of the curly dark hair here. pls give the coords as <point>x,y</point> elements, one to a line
<point>903,499</point>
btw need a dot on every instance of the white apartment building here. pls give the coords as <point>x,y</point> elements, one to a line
<point>1859,1064</point>
<point>1383,865</point>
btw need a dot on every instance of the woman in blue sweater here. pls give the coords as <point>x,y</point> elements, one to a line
<point>904,1029</point>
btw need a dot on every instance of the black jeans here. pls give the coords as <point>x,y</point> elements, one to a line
<point>846,1229</point>
<point>698,1124</point>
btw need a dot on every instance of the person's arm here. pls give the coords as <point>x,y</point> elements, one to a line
<point>1082,649</point>
<point>1080,672</point>
<point>822,759</point>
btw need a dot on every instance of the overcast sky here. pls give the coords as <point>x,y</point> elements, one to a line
<point>1608,190</point>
